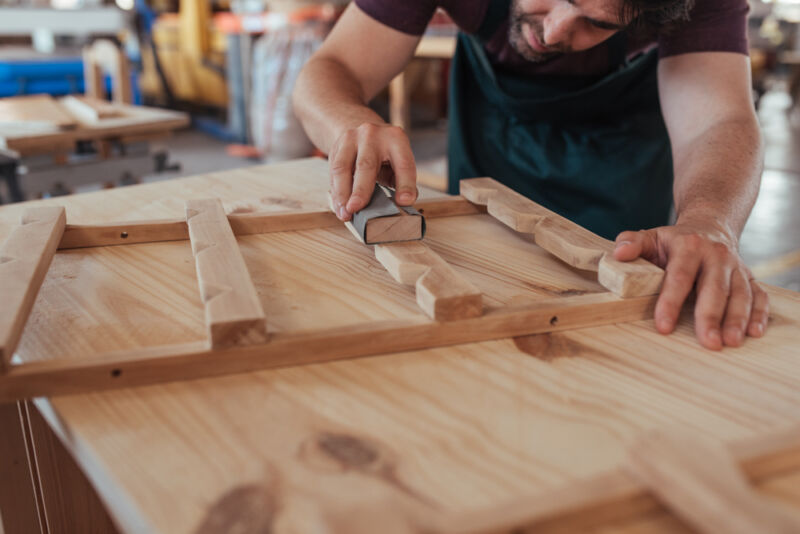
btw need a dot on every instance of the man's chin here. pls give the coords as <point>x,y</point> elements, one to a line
<point>532,55</point>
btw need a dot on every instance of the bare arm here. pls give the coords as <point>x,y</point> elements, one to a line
<point>358,59</point>
<point>717,153</point>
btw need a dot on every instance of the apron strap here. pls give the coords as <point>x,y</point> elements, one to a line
<point>496,14</point>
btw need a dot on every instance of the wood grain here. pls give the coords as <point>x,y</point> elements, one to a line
<point>232,309</point>
<point>401,227</point>
<point>699,480</point>
<point>568,241</point>
<point>24,259</point>
<point>441,292</point>
<point>461,429</point>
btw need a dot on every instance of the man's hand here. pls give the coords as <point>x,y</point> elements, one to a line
<point>366,154</point>
<point>730,304</point>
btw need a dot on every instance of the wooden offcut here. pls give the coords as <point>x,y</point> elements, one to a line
<point>233,311</point>
<point>24,259</point>
<point>566,240</point>
<point>88,109</point>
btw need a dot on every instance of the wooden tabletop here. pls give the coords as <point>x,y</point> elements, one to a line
<point>449,430</point>
<point>41,124</point>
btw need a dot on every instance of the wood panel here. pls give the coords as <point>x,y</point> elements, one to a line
<point>70,504</point>
<point>453,430</point>
<point>18,509</point>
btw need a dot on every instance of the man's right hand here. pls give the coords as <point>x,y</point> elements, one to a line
<point>371,153</point>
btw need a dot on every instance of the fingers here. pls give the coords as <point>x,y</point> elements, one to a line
<point>737,314</point>
<point>713,288</point>
<point>342,161</point>
<point>632,245</point>
<point>368,164</point>
<point>364,155</point>
<point>405,172</point>
<point>681,272</point>
<point>760,311</point>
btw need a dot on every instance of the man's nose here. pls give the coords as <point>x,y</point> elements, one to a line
<point>559,24</point>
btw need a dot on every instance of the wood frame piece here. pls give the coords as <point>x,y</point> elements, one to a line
<point>238,340</point>
<point>566,240</point>
<point>233,312</point>
<point>24,260</point>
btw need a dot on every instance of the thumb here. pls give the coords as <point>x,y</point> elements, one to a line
<point>632,245</point>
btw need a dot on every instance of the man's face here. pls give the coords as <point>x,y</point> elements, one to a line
<point>541,29</point>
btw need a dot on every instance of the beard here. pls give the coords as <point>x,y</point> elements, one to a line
<point>518,22</point>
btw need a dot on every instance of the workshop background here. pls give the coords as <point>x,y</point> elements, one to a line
<point>220,74</point>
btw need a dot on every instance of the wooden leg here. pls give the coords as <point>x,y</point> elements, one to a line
<point>18,504</point>
<point>69,503</point>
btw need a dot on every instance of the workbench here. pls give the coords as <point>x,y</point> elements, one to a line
<point>45,137</point>
<point>500,433</point>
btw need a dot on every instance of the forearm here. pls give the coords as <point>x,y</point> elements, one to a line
<point>329,101</point>
<point>717,175</point>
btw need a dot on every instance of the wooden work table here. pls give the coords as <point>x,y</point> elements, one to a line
<point>376,444</point>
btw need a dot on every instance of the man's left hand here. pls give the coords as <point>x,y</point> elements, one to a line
<point>730,304</point>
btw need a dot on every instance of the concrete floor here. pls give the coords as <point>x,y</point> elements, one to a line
<point>771,240</point>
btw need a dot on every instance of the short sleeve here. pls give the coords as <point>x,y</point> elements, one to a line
<point>407,16</point>
<point>713,26</point>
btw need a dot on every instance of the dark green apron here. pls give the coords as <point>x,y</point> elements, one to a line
<point>595,150</point>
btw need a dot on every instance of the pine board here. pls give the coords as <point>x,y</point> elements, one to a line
<point>456,429</point>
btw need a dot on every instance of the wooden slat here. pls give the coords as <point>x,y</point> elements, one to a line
<point>125,233</point>
<point>60,376</point>
<point>697,478</point>
<point>441,292</point>
<point>233,311</point>
<point>566,240</point>
<point>24,259</point>
<point>88,109</point>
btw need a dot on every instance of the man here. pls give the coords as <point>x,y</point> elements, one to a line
<point>585,106</point>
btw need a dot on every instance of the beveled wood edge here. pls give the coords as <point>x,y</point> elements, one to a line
<point>157,230</point>
<point>168,363</point>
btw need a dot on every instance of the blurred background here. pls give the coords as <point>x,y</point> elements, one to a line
<point>158,89</point>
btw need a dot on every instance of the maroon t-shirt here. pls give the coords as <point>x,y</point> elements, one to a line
<point>714,25</point>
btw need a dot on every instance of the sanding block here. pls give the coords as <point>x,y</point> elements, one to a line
<point>383,221</point>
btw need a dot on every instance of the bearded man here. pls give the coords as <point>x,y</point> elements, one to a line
<point>609,112</point>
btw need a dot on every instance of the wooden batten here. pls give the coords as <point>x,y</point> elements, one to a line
<point>233,311</point>
<point>566,240</point>
<point>24,259</point>
<point>64,375</point>
<point>151,231</point>
<point>441,292</point>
